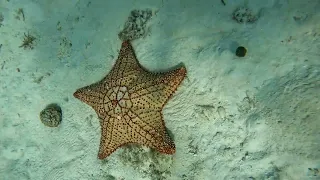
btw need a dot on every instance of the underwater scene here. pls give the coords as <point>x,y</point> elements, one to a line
<point>159,90</point>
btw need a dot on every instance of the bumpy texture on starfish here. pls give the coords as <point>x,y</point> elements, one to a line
<point>129,101</point>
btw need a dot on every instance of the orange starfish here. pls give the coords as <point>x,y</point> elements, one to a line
<point>129,101</point>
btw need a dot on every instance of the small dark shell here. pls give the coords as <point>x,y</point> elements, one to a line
<point>51,116</point>
<point>241,51</point>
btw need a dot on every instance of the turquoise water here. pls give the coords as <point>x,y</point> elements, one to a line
<point>240,113</point>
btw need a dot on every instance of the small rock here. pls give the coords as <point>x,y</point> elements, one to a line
<point>241,51</point>
<point>51,116</point>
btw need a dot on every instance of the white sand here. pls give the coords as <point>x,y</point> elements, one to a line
<point>255,117</point>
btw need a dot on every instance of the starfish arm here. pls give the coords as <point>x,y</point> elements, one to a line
<point>126,67</point>
<point>91,95</point>
<point>152,90</point>
<point>116,132</point>
<point>171,80</point>
<point>106,144</point>
<point>149,130</point>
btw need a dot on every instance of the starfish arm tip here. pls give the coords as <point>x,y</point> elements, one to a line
<point>125,43</point>
<point>171,151</point>
<point>183,71</point>
<point>102,155</point>
<point>76,94</point>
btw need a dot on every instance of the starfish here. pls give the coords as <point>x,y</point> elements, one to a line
<point>129,103</point>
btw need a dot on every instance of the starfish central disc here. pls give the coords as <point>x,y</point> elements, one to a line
<point>117,101</point>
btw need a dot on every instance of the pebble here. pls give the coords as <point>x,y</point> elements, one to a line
<point>51,116</point>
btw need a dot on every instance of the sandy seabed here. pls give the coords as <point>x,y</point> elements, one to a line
<point>253,117</point>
